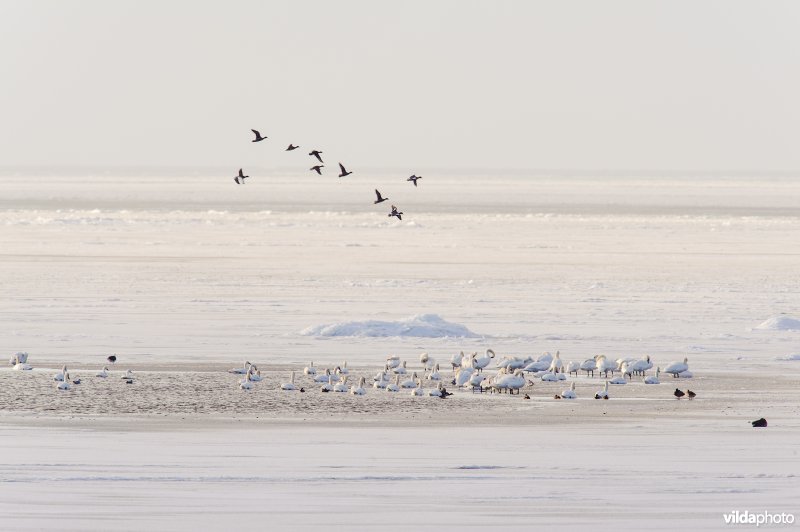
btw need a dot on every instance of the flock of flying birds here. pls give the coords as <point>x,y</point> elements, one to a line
<point>343,172</point>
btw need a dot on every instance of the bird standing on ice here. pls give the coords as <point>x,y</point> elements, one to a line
<point>676,368</point>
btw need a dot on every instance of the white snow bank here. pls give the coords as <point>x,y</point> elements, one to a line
<point>421,325</point>
<point>780,323</point>
<point>789,357</point>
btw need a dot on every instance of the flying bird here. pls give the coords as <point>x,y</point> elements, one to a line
<point>240,178</point>
<point>258,138</point>
<point>414,179</point>
<point>395,212</point>
<point>318,168</point>
<point>315,153</point>
<point>380,198</point>
<point>292,147</point>
<point>112,359</point>
<point>344,172</point>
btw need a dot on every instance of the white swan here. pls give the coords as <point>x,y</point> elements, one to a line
<point>60,376</point>
<point>677,368</point>
<point>411,382</point>
<point>328,386</point>
<point>255,374</point>
<point>604,365</point>
<point>434,375</point>
<point>653,379</point>
<point>341,386</point>
<point>602,394</point>
<point>541,364</point>
<point>287,386</point>
<point>64,384</point>
<point>128,375</point>
<point>456,360</point>
<point>401,369</point>
<point>640,366</point>
<point>569,394</point>
<point>573,367</point>
<point>478,379</point>
<point>22,366</point>
<point>395,386</point>
<point>310,369</point>
<point>245,383</point>
<point>550,377</point>
<point>619,379</point>
<point>19,357</point>
<point>484,361</point>
<point>556,366</point>
<point>469,361</point>
<point>685,374</point>
<point>512,382</point>
<point>464,375</point>
<point>589,366</point>
<point>381,383</point>
<point>343,368</point>
<point>324,377</point>
<point>418,391</point>
<point>393,361</point>
<point>241,371</point>
<point>103,374</point>
<point>359,390</point>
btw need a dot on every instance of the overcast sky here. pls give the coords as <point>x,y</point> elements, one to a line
<point>612,85</point>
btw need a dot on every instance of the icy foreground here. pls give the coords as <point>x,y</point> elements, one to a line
<point>183,283</point>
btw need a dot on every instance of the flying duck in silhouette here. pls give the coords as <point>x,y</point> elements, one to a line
<point>318,168</point>
<point>344,172</point>
<point>315,153</point>
<point>414,178</point>
<point>380,198</point>
<point>292,147</point>
<point>240,178</point>
<point>395,212</point>
<point>258,138</point>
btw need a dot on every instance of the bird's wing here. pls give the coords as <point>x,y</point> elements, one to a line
<point>256,133</point>
<point>377,193</point>
<point>241,174</point>
<point>342,167</point>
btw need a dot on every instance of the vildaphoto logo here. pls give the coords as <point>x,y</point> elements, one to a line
<point>761,518</point>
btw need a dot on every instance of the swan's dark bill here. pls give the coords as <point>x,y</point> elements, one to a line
<point>343,173</point>
<point>759,422</point>
<point>318,168</point>
<point>292,147</point>
<point>316,153</point>
<point>258,138</point>
<point>414,179</point>
<point>112,359</point>
<point>380,198</point>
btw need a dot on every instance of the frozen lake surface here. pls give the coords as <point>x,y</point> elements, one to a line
<point>185,276</point>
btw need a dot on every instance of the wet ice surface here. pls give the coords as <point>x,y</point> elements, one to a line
<point>183,283</point>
